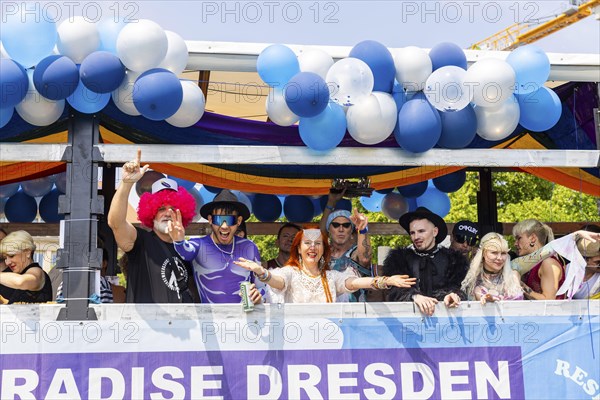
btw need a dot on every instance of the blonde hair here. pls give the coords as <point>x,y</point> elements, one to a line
<point>16,242</point>
<point>533,226</point>
<point>495,241</point>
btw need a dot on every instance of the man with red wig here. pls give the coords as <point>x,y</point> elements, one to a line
<point>155,273</point>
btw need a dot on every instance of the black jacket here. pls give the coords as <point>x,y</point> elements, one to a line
<point>438,273</point>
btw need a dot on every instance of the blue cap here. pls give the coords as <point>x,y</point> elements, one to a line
<point>339,213</point>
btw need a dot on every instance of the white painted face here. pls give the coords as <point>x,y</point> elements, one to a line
<point>311,247</point>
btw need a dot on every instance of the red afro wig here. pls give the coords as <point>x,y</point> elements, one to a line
<point>150,203</point>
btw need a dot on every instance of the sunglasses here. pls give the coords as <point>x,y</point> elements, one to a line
<point>230,220</point>
<point>346,225</point>
<point>471,240</point>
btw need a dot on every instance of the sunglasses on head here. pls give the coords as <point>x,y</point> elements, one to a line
<point>346,225</point>
<point>230,220</point>
<point>471,240</point>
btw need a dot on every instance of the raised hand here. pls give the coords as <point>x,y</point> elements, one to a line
<point>175,227</point>
<point>132,171</point>
<point>359,220</point>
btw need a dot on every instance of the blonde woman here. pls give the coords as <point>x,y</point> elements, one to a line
<point>490,277</point>
<point>23,280</point>
<point>545,278</point>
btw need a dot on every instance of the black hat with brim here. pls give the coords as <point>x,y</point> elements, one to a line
<point>424,213</point>
<point>225,199</point>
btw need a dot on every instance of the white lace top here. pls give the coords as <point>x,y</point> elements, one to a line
<point>301,288</point>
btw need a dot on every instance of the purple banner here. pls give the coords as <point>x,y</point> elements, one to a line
<point>474,372</point>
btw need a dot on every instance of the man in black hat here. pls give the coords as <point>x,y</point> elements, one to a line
<point>439,271</point>
<point>217,277</point>
<point>465,238</point>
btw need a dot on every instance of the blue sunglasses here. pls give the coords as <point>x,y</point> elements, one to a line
<point>230,220</point>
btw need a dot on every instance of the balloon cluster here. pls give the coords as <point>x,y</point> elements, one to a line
<point>432,194</point>
<point>425,99</point>
<point>86,64</point>
<point>21,202</point>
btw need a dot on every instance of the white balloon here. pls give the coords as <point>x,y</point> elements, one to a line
<point>497,123</point>
<point>413,67</point>
<point>77,38</point>
<point>123,95</point>
<point>278,110</point>
<point>349,80</point>
<point>3,53</point>
<point>142,46</point>
<point>192,106</point>
<point>445,89</point>
<point>491,81</point>
<point>177,54</point>
<point>315,60</point>
<point>373,119</point>
<point>38,110</point>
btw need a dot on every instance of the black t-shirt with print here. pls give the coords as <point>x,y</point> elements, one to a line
<point>155,272</point>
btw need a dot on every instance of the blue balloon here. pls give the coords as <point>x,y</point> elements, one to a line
<point>5,115</point>
<point>414,190</point>
<point>317,205</point>
<point>187,185</point>
<point>451,182</point>
<point>87,101</point>
<point>540,110</point>
<point>444,54</point>
<point>373,203</point>
<point>306,94</point>
<point>49,207</point>
<point>158,94</point>
<point>343,204</point>
<point>436,201</point>
<point>213,189</point>
<point>298,209</point>
<point>207,196</point>
<point>459,128</point>
<point>325,131</point>
<point>412,203</point>
<point>267,207</point>
<point>61,182</point>
<point>277,64</point>
<point>9,189</point>
<point>56,77</point>
<point>109,30</point>
<point>419,125</point>
<point>380,61</point>
<point>21,208</point>
<point>532,68</point>
<point>14,83</point>
<point>399,95</point>
<point>102,72</point>
<point>28,36</point>
<point>37,187</point>
<point>241,196</point>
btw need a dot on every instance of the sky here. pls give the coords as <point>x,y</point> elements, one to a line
<point>345,23</point>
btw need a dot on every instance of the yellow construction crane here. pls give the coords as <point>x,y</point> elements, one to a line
<point>526,32</point>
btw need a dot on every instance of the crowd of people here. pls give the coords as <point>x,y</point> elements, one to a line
<point>328,262</point>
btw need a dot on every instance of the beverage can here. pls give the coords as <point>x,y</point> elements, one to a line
<point>247,304</point>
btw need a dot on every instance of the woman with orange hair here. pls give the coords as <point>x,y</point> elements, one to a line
<point>307,277</point>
